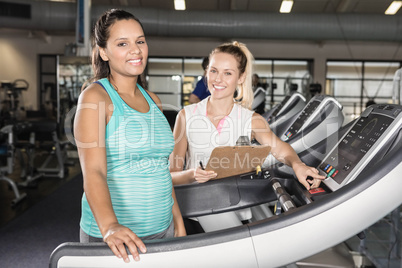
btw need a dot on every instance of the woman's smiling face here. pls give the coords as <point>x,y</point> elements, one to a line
<point>223,75</point>
<point>126,50</point>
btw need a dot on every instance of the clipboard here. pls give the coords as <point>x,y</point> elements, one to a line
<point>228,161</point>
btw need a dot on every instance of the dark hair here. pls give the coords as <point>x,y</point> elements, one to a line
<point>205,63</point>
<point>101,34</point>
<point>370,102</point>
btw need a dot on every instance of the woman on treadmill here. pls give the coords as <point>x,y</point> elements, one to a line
<point>221,119</point>
<point>128,193</point>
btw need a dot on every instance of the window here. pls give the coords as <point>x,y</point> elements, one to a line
<point>173,79</point>
<point>354,83</point>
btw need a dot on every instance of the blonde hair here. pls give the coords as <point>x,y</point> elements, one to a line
<point>245,65</point>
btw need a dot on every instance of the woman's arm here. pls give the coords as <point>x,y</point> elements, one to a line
<point>284,152</point>
<point>177,158</point>
<point>89,129</point>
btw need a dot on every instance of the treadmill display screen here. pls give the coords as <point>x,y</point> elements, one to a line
<point>354,146</point>
<point>302,118</point>
<point>280,106</point>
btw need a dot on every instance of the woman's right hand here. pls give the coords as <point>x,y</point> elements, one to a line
<point>202,176</point>
<point>117,236</point>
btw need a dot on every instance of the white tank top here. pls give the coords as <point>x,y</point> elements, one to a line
<point>203,136</point>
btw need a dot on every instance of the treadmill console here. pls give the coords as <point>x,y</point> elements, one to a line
<point>278,108</point>
<point>289,106</point>
<point>301,119</point>
<point>360,144</point>
<point>306,116</point>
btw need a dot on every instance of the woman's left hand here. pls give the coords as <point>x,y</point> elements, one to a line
<point>308,176</point>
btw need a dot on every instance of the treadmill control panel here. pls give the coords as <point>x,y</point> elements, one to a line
<point>355,144</point>
<point>302,118</point>
<point>280,106</point>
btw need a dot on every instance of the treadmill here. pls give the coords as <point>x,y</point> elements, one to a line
<point>319,119</point>
<point>289,106</point>
<point>259,98</point>
<point>345,204</point>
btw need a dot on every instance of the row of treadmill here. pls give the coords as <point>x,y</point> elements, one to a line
<point>362,164</point>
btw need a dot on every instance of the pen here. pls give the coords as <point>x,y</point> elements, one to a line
<point>202,166</point>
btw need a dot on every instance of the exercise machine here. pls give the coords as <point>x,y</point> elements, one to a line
<point>258,104</point>
<point>13,101</point>
<point>319,119</point>
<point>311,221</point>
<point>7,154</point>
<point>43,136</point>
<point>290,106</point>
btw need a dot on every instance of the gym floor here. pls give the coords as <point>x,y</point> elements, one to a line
<point>38,191</point>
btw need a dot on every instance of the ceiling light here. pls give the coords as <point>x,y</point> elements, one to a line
<point>180,4</point>
<point>393,8</point>
<point>286,6</point>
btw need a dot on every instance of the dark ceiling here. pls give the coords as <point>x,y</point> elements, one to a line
<point>299,6</point>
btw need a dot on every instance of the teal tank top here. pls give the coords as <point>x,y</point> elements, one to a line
<point>138,146</point>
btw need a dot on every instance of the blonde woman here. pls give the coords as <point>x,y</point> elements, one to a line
<point>221,119</point>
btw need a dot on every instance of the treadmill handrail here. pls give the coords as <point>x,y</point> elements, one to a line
<point>285,107</point>
<point>325,100</point>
